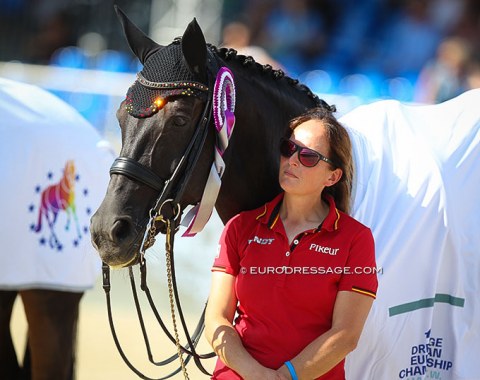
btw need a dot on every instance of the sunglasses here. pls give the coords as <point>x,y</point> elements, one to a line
<point>307,157</point>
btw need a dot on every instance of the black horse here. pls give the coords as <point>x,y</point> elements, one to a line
<point>161,122</point>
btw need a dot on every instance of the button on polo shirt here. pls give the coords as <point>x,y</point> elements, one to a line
<point>286,292</point>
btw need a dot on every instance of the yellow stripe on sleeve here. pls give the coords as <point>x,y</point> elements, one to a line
<point>364,291</point>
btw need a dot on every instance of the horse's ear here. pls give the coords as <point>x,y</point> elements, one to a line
<point>194,49</point>
<point>142,46</point>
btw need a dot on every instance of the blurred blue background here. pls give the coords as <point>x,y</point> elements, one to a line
<point>349,52</point>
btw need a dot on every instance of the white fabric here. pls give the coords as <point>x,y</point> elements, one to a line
<point>418,188</point>
<point>39,134</point>
<point>198,216</point>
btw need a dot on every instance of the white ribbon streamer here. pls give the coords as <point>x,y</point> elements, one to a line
<point>223,112</point>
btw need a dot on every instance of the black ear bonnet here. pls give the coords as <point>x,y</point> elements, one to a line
<point>164,75</point>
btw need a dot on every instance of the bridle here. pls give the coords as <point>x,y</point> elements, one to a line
<point>129,167</point>
<point>176,185</point>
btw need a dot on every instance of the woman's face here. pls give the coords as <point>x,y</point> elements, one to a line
<point>298,179</point>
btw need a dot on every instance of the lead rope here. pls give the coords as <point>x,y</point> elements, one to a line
<point>168,253</point>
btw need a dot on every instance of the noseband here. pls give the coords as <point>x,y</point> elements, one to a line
<point>138,172</point>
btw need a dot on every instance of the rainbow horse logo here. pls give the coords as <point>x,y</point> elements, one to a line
<point>58,197</point>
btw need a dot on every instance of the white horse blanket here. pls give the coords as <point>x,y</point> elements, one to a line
<point>418,188</point>
<point>54,174</point>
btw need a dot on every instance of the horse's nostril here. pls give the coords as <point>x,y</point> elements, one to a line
<point>120,230</point>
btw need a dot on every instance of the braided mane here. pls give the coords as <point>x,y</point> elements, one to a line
<point>277,74</point>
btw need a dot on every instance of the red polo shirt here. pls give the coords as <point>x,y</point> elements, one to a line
<point>286,293</point>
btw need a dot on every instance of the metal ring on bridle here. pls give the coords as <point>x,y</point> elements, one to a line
<point>175,207</point>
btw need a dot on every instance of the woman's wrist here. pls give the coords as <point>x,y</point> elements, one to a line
<point>291,370</point>
<point>253,371</point>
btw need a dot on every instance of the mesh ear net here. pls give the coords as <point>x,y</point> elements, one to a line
<point>164,75</point>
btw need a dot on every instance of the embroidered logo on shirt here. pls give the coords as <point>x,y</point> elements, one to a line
<point>326,250</point>
<point>261,241</point>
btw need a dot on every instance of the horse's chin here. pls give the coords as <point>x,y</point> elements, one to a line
<point>134,260</point>
<point>117,257</point>
<point>116,261</point>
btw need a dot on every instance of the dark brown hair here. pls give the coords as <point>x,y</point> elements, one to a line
<point>340,152</point>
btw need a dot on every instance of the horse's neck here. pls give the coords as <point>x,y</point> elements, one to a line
<point>263,108</point>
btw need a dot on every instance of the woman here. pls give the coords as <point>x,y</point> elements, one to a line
<point>295,270</point>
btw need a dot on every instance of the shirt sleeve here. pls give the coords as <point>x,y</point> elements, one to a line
<point>228,257</point>
<point>360,269</point>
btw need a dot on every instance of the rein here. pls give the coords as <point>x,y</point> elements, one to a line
<point>182,173</point>
<point>174,299</point>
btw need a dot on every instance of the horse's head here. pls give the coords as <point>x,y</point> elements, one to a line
<point>160,122</point>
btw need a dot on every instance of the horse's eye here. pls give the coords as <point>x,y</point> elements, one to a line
<point>180,121</point>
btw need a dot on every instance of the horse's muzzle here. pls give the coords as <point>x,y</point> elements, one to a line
<point>117,242</point>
